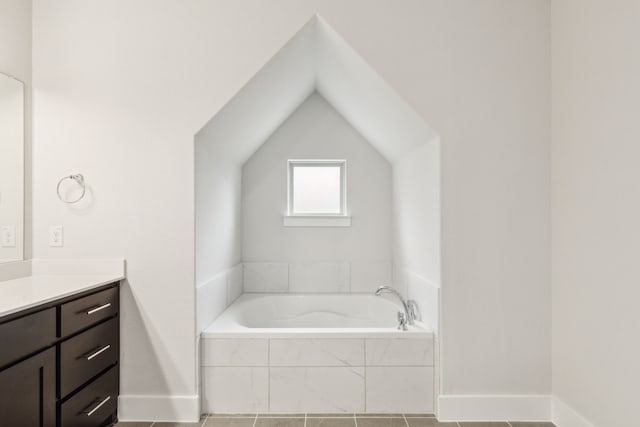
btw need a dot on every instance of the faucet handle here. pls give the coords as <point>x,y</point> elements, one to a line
<point>402,321</point>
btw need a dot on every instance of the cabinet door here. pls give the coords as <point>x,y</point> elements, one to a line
<point>27,392</point>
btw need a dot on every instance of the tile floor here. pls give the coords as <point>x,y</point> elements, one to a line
<point>329,420</point>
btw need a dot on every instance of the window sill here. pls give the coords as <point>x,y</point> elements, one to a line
<point>316,221</point>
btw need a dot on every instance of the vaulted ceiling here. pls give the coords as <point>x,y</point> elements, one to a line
<point>316,59</point>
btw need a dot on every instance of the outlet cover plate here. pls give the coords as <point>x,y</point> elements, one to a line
<point>56,236</point>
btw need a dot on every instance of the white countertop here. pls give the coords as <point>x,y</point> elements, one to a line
<point>27,292</point>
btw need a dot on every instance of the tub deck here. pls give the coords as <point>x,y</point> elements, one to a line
<point>312,315</point>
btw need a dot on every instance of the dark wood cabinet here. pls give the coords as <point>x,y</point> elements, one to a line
<point>78,314</point>
<point>59,362</point>
<point>28,392</point>
<point>88,354</point>
<point>94,405</point>
<point>27,335</point>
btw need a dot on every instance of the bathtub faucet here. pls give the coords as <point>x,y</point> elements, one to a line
<point>410,307</point>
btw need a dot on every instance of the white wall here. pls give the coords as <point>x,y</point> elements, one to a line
<point>227,140</point>
<point>221,148</point>
<point>417,229</point>
<point>317,131</point>
<point>416,214</point>
<point>596,238</point>
<point>489,100</point>
<point>15,60</point>
<point>122,87</point>
<point>405,138</point>
<point>218,201</point>
<point>218,231</point>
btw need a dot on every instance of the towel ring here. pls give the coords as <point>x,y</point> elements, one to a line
<point>79,179</point>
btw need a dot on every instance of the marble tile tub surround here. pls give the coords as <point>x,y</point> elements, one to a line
<point>335,375</point>
<point>216,294</point>
<point>328,420</point>
<point>343,277</point>
<point>316,276</point>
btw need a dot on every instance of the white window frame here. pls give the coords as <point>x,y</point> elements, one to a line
<point>319,219</point>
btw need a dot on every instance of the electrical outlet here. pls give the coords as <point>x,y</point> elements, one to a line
<point>8,236</point>
<point>56,236</point>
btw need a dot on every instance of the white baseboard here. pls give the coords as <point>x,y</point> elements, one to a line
<point>562,415</point>
<point>184,409</point>
<point>494,408</point>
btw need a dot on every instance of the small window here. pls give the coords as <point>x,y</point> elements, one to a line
<point>316,188</point>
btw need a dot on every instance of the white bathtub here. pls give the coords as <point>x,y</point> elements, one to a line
<point>314,353</point>
<point>341,315</point>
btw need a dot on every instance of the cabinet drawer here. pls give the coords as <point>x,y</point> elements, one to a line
<point>94,405</point>
<point>86,311</point>
<point>86,355</point>
<point>26,335</point>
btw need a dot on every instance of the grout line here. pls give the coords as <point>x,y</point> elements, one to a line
<point>229,416</point>
<point>255,419</point>
<point>391,415</point>
<point>364,351</point>
<point>317,366</point>
<point>305,419</point>
<point>269,376</point>
<point>289,279</point>
<point>329,415</point>
<point>355,419</point>
<point>405,420</point>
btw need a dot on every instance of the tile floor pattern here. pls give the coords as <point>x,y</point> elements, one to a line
<point>329,420</point>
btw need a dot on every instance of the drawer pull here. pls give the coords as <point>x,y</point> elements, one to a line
<point>98,406</point>
<point>105,348</point>
<point>97,309</point>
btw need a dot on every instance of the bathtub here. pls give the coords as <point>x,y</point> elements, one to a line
<point>311,315</point>
<point>315,353</point>
<point>340,315</point>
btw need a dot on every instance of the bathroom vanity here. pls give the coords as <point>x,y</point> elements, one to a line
<point>59,351</point>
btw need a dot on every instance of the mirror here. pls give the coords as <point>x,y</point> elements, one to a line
<point>11,169</point>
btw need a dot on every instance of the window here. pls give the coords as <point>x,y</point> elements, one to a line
<point>317,193</point>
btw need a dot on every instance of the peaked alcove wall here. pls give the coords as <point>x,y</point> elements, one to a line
<point>354,259</point>
<point>317,59</point>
